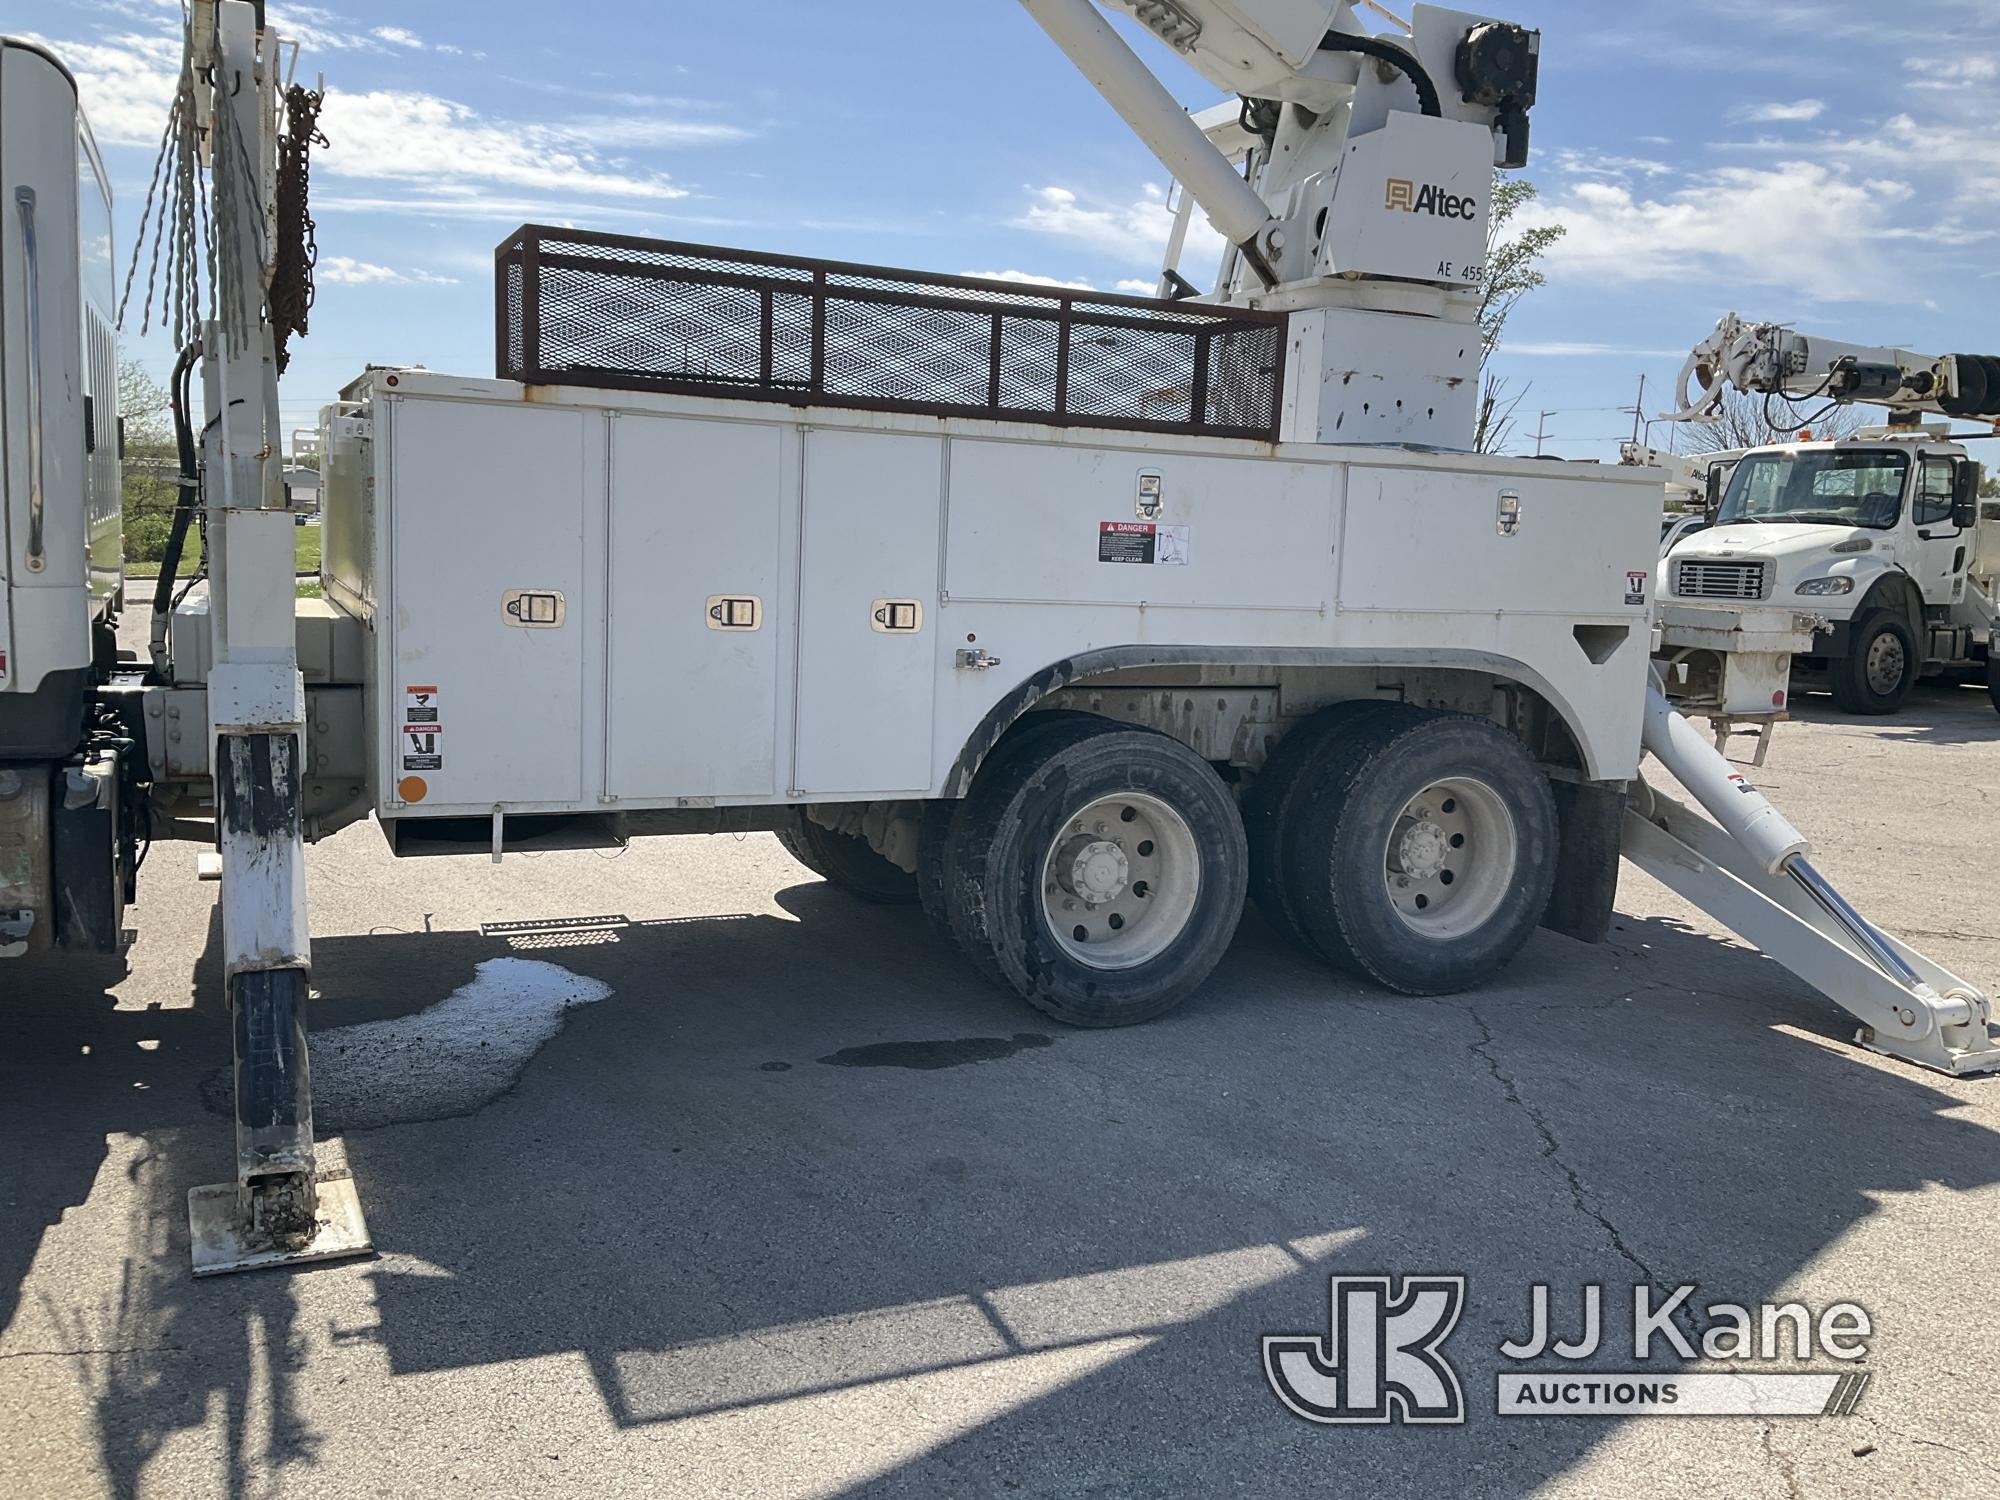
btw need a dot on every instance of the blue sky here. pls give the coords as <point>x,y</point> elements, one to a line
<point>1823,163</point>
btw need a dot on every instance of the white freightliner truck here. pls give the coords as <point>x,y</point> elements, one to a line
<point>1076,617</point>
<point>1882,536</point>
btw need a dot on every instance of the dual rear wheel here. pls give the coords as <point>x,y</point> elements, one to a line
<point>1100,870</point>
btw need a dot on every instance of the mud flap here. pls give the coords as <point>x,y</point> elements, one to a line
<point>1590,817</point>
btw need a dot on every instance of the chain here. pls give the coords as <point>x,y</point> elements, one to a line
<point>298,246</point>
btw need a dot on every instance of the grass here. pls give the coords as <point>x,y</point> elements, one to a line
<point>307,551</point>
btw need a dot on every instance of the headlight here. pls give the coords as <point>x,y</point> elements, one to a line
<point>1826,586</point>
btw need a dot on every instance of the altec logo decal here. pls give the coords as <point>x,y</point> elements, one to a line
<point>1435,201</point>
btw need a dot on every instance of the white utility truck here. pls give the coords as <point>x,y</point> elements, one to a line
<point>1881,535</point>
<point>1076,617</point>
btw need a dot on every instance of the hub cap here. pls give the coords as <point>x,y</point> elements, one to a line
<point>1885,663</point>
<point>1120,881</point>
<point>1450,858</point>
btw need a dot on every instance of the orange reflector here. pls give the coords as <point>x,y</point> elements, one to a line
<point>413,788</point>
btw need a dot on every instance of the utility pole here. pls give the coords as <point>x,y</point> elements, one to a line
<point>1542,430</point>
<point>1639,409</point>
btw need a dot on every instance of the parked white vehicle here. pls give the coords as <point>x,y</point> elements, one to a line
<point>1881,535</point>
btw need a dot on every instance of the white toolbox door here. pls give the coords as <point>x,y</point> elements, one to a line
<point>488,511</point>
<point>872,503</point>
<point>695,531</point>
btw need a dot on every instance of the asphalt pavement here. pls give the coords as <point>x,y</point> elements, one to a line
<point>746,1188</point>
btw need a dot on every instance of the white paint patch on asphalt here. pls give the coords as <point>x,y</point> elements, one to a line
<point>450,1058</point>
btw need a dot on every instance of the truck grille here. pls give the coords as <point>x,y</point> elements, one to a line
<point>1719,580</point>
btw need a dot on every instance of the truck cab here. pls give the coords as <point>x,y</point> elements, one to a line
<point>60,524</point>
<point>1877,534</point>
<point>66,814</point>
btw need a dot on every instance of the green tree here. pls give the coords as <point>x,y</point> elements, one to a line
<point>148,414</point>
<point>1511,273</point>
<point>1511,269</point>
<point>152,462</point>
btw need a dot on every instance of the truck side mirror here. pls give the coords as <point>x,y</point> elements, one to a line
<point>1965,494</point>
<point>1714,501</point>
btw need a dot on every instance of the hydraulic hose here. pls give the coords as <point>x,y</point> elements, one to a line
<point>188,483</point>
<point>1395,57</point>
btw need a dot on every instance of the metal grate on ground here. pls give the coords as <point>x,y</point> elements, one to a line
<point>623,313</point>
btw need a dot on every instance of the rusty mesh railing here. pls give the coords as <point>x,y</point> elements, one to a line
<point>623,313</point>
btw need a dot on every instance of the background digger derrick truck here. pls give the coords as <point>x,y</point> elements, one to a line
<point>1882,535</point>
<point>1076,617</point>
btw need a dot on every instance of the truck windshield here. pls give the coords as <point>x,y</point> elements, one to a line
<point>1853,487</point>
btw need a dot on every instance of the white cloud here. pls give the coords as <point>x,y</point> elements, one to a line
<point>1591,163</point>
<point>317,29</point>
<point>386,135</point>
<point>344,270</point>
<point>396,36</point>
<point>415,137</point>
<point>1952,72</point>
<point>1799,112</point>
<point>1134,231</point>
<point>1797,224</point>
<point>650,132</point>
<point>1135,286</point>
<point>126,82</point>
<point>1029,278</point>
<point>1563,349</point>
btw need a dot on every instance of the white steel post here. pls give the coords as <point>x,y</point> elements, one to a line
<point>277,1209</point>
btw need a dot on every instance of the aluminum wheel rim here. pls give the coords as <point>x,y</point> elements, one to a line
<point>1120,880</point>
<point>1450,858</point>
<point>1885,663</point>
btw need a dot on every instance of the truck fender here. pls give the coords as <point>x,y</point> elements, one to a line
<point>1897,592</point>
<point>1061,674</point>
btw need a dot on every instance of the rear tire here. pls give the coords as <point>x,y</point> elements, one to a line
<point>1102,869</point>
<point>1880,669</point>
<point>1271,806</point>
<point>1423,855</point>
<point>943,821</point>
<point>1993,677</point>
<point>847,861</point>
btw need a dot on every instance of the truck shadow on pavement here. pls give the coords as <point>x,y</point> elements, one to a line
<point>1936,713</point>
<point>1002,1257</point>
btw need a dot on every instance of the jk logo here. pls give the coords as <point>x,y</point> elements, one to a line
<point>1379,1361</point>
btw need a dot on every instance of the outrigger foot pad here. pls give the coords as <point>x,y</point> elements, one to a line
<point>223,1240</point>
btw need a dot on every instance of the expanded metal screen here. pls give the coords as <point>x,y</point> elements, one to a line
<point>576,308</point>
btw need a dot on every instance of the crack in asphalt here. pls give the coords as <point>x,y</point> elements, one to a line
<point>83,1353</point>
<point>1783,1462</point>
<point>1552,1148</point>
<point>1922,1442</point>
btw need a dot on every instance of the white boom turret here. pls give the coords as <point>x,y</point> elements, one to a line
<point>1352,179</point>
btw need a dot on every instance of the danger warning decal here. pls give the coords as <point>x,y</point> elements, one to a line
<point>1635,587</point>
<point>1142,542</point>
<point>423,747</point>
<point>423,734</point>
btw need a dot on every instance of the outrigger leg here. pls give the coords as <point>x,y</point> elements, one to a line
<point>1751,873</point>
